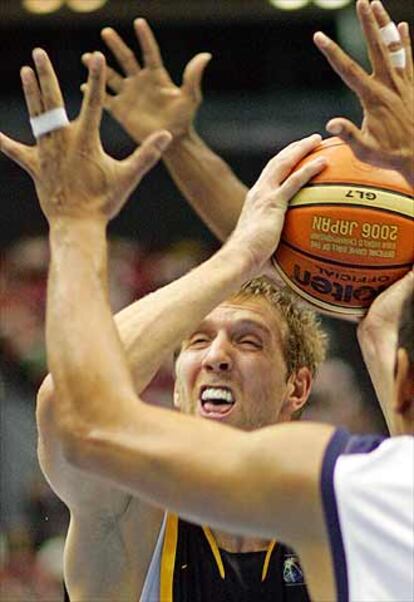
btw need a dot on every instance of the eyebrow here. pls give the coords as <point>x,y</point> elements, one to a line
<point>243,323</point>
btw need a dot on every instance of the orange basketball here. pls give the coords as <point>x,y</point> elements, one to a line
<point>348,234</point>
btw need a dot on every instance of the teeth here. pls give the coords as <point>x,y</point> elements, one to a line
<point>217,393</point>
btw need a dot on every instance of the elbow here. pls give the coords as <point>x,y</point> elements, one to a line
<point>84,447</point>
<point>74,439</point>
<point>44,399</point>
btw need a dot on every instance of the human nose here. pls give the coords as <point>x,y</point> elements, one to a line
<point>218,357</point>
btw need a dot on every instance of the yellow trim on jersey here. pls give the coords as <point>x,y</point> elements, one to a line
<point>215,551</point>
<point>217,556</point>
<point>267,559</point>
<point>169,550</point>
<point>320,194</point>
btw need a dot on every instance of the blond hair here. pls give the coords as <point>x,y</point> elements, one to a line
<point>304,341</point>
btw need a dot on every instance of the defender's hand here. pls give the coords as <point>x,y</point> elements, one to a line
<point>386,138</point>
<point>145,99</point>
<point>384,312</point>
<point>73,175</point>
<point>261,221</point>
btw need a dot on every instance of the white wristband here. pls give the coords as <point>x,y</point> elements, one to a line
<point>49,121</point>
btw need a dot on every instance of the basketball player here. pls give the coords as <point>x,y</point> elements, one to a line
<point>278,482</point>
<point>144,98</point>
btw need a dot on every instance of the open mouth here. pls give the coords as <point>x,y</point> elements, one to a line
<point>216,402</point>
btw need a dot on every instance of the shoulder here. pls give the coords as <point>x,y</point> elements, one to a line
<point>368,496</point>
<point>373,463</point>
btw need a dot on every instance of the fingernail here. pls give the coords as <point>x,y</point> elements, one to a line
<point>321,39</point>
<point>364,7</point>
<point>315,137</point>
<point>164,142</point>
<point>334,128</point>
<point>404,27</point>
<point>96,60</point>
<point>24,73</point>
<point>38,54</point>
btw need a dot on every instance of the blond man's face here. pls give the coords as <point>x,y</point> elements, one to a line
<point>232,368</point>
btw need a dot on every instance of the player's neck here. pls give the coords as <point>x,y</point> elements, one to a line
<point>233,543</point>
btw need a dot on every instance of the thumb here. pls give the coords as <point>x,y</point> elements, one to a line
<point>348,132</point>
<point>19,153</point>
<point>193,74</point>
<point>146,156</point>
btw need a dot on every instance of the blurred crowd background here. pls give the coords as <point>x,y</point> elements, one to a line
<point>266,86</point>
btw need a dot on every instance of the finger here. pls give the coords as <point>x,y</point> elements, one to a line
<point>149,46</point>
<point>380,14</point>
<point>19,153</point>
<point>107,103</point>
<point>282,164</point>
<point>378,51</point>
<point>348,70</point>
<point>193,74</point>
<point>404,30</point>
<point>301,177</point>
<point>146,156</point>
<point>383,19</point>
<point>349,133</point>
<point>49,84</point>
<point>114,81</point>
<point>92,105</point>
<point>123,54</point>
<point>31,92</point>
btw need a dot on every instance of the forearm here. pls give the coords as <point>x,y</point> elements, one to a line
<point>379,352</point>
<point>80,330</point>
<point>178,307</point>
<point>207,182</point>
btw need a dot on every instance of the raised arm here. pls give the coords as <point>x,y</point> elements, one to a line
<point>101,517</point>
<point>386,137</point>
<point>144,98</point>
<point>378,338</point>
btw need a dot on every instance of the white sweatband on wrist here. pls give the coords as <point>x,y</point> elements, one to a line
<point>49,121</point>
<point>398,58</point>
<point>390,34</point>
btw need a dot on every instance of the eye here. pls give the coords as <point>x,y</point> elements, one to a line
<point>199,340</point>
<point>250,343</point>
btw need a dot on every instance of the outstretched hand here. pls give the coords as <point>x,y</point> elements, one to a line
<point>386,137</point>
<point>261,221</point>
<point>144,98</point>
<point>73,175</point>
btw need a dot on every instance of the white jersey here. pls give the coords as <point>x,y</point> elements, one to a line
<point>368,494</point>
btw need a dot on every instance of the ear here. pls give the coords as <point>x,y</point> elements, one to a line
<point>298,390</point>
<point>404,386</point>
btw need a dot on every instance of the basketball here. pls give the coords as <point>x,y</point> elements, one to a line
<point>348,234</point>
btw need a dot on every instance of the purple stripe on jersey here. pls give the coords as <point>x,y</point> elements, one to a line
<point>334,449</point>
<point>363,444</point>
